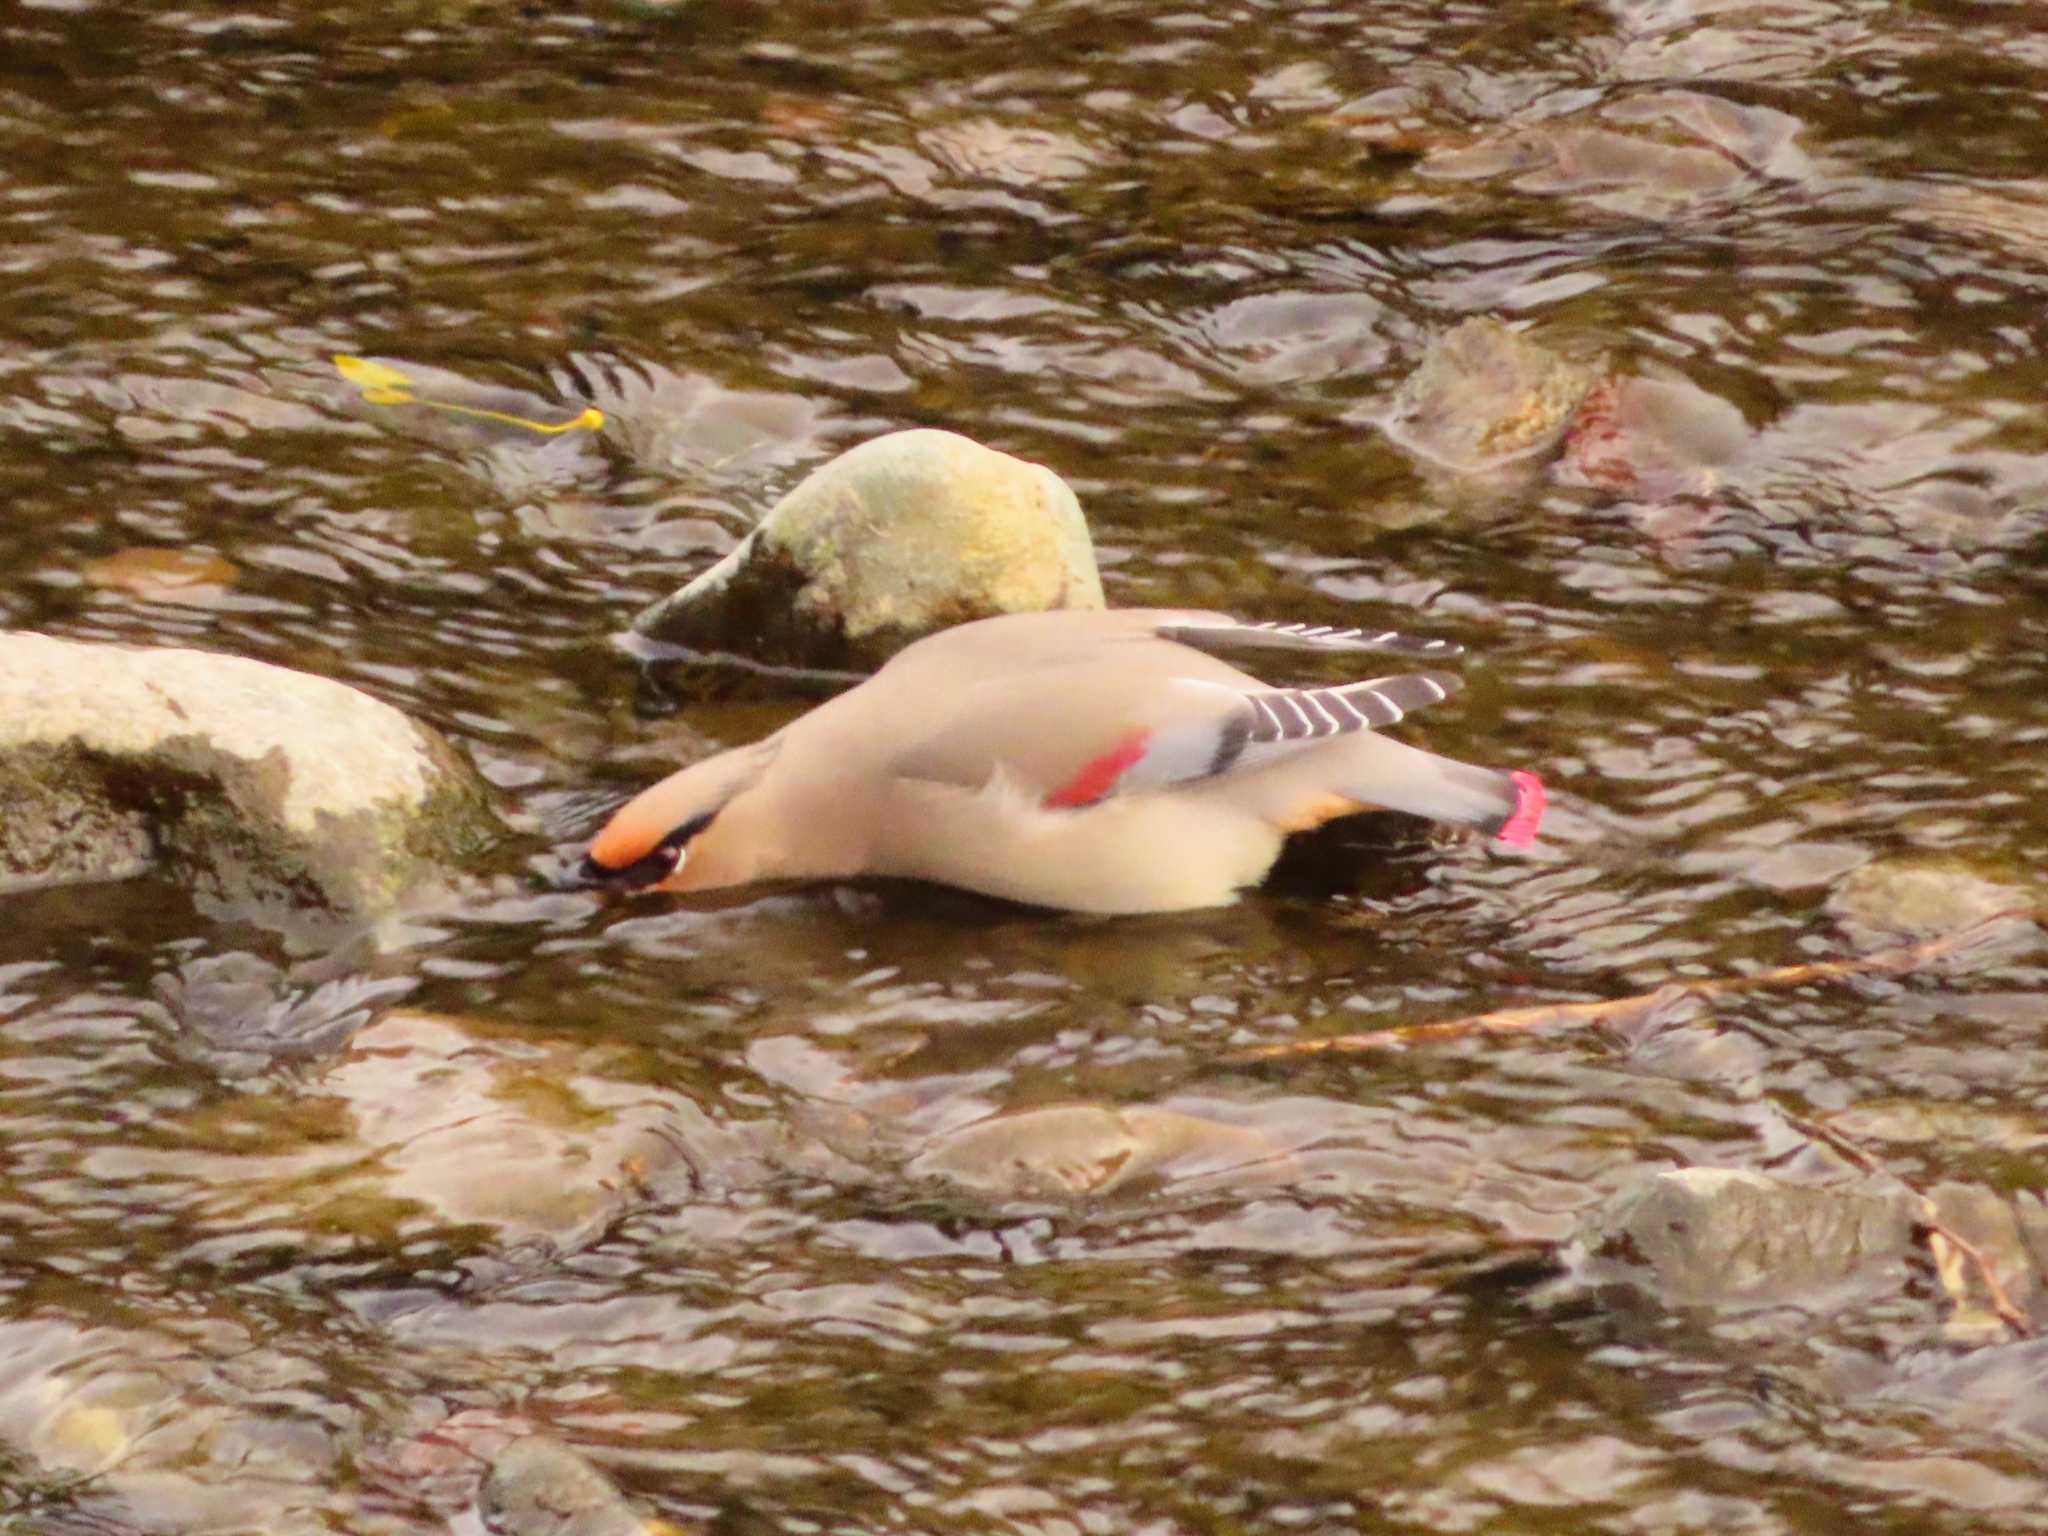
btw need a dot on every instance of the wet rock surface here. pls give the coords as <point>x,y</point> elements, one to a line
<point>899,537</point>
<point>259,787</point>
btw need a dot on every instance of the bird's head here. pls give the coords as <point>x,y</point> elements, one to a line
<point>648,843</point>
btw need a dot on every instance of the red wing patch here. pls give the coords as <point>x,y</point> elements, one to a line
<point>1099,775</point>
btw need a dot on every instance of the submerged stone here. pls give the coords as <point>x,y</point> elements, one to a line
<point>446,408</point>
<point>154,1433</point>
<point>187,576</point>
<point>1080,1150</point>
<point>895,539</point>
<point>436,1122</point>
<point>1651,439</point>
<point>259,787</point>
<point>1997,1389</point>
<point>1923,897</point>
<point>691,425</point>
<point>1627,171</point>
<point>1730,1237</point>
<point>1953,1125</point>
<point>537,1486</point>
<point>1485,396</point>
<point>1015,154</point>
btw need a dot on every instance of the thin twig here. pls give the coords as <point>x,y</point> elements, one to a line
<point>1516,1021</point>
<point>1994,1288</point>
<point>1901,960</point>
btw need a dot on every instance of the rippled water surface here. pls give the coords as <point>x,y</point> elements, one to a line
<point>1184,257</point>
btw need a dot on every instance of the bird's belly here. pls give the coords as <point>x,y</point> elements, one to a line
<point>1137,853</point>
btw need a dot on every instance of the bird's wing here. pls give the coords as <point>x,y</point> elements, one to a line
<point>1160,639</point>
<point>1071,735</point>
<point>1219,632</point>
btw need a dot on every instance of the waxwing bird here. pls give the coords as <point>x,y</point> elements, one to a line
<point>1094,761</point>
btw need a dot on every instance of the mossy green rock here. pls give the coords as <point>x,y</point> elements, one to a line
<point>262,789</point>
<point>900,537</point>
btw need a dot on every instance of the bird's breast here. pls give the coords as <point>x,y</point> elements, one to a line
<point>1148,852</point>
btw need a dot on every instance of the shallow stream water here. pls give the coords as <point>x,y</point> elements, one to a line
<point>1184,257</point>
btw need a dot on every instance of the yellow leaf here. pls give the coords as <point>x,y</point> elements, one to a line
<point>367,374</point>
<point>382,384</point>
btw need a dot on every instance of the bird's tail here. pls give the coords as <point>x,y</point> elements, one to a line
<point>1508,805</point>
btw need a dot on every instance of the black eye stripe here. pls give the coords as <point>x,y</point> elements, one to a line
<point>658,865</point>
<point>688,830</point>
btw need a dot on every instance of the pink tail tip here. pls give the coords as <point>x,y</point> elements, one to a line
<point>1519,830</point>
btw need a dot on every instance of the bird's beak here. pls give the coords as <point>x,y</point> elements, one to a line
<point>650,873</point>
<point>589,875</point>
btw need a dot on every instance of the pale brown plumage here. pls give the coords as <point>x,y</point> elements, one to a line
<point>1096,761</point>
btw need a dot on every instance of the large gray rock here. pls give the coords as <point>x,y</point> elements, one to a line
<point>258,787</point>
<point>899,537</point>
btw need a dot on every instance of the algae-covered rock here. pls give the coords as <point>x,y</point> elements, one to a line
<point>899,537</point>
<point>257,786</point>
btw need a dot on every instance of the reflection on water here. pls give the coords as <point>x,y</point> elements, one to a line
<point>281,1258</point>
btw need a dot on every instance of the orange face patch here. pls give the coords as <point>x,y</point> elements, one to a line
<point>629,835</point>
